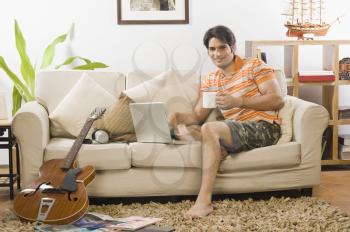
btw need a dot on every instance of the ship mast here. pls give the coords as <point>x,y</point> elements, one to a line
<point>320,12</point>
<point>302,11</point>
<point>293,6</point>
<point>311,10</point>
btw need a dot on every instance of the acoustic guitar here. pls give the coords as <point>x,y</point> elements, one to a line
<point>59,196</point>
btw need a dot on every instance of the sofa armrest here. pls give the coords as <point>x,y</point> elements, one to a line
<point>309,122</point>
<point>30,125</point>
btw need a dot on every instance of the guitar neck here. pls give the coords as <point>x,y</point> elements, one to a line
<point>72,154</point>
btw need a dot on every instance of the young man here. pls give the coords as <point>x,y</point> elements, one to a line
<point>249,98</point>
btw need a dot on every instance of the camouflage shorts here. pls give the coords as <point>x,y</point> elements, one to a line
<point>250,134</point>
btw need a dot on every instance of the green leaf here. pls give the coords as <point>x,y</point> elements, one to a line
<point>27,69</point>
<point>87,61</point>
<point>50,51</point>
<point>91,66</point>
<point>71,31</point>
<point>21,87</point>
<point>16,100</point>
<point>71,59</point>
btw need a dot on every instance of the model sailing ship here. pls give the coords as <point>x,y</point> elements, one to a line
<point>305,17</point>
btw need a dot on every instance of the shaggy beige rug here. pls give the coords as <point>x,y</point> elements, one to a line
<point>275,214</point>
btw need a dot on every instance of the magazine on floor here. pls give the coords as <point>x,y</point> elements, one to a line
<point>93,221</point>
<point>134,222</point>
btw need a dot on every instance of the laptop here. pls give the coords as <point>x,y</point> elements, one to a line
<point>151,123</point>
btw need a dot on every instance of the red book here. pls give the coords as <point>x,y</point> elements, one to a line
<point>316,76</point>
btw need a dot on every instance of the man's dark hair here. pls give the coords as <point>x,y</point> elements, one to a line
<point>220,32</point>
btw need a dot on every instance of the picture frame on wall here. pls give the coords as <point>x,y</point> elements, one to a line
<point>153,11</point>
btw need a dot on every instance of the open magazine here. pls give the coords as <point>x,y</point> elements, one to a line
<point>101,223</point>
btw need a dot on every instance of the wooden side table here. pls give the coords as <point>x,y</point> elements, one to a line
<point>8,141</point>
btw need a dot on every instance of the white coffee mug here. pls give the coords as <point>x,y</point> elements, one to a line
<point>209,100</point>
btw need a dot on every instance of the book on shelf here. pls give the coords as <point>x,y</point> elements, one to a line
<point>344,112</point>
<point>344,148</point>
<point>344,152</point>
<point>316,73</point>
<point>344,139</point>
<point>327,143</point>
<point>93,221</point>
<point>344,155</point>
<point>316,76</point>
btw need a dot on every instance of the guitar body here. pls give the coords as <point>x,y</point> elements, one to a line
<point>66,207</point>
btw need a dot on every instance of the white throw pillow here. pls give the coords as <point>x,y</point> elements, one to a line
<point>72,112</point>
<point>281,79</point>
<point>286,116</point>
<point>167,88</point>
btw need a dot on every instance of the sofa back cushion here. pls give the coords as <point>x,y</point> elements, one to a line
<point>178,89</point>
<point>54,85</point>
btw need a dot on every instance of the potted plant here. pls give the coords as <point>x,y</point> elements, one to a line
<point>24,88</point>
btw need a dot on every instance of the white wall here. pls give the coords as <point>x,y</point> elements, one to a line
<point>99,37</point>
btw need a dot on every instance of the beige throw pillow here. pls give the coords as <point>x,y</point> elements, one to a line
<point>286,116</point>
<point>117,121</point>
<point>167,88</point>
<point>72,112</point>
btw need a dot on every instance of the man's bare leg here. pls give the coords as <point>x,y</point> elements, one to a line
<point>192,133</point>
<point>212,133</point>
<point>188,133</point>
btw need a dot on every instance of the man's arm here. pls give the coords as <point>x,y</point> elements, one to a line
<point>271,98</point>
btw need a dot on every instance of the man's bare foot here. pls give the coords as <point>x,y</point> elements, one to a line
<point>199,210</point>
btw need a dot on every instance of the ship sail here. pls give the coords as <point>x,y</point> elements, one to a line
<point>305,17</point>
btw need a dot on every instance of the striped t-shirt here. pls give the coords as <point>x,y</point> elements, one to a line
<point>245,82</point>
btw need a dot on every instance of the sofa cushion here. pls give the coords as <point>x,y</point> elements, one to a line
<point>52,86</point>
<point>190,156</point>
<point>270,157</point>
<point>110,156</point>
<point>178,93</point>
<point>72,112</point>
<point>164,155</point>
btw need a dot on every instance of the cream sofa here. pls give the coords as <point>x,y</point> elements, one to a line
<point>137,169</point>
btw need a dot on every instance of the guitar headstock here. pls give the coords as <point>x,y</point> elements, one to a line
<point>97,113</point>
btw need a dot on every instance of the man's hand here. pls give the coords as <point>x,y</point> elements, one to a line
<point>225,101</point>
<point>172,121</point>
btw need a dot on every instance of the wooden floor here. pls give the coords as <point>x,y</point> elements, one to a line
<point>334,188</point>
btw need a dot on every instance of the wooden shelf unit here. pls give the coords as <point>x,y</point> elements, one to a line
<point>330,61</point>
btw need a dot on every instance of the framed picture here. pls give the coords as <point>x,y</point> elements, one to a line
<point>152,11</point>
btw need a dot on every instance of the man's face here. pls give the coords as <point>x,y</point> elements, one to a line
<point>220,53</point>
